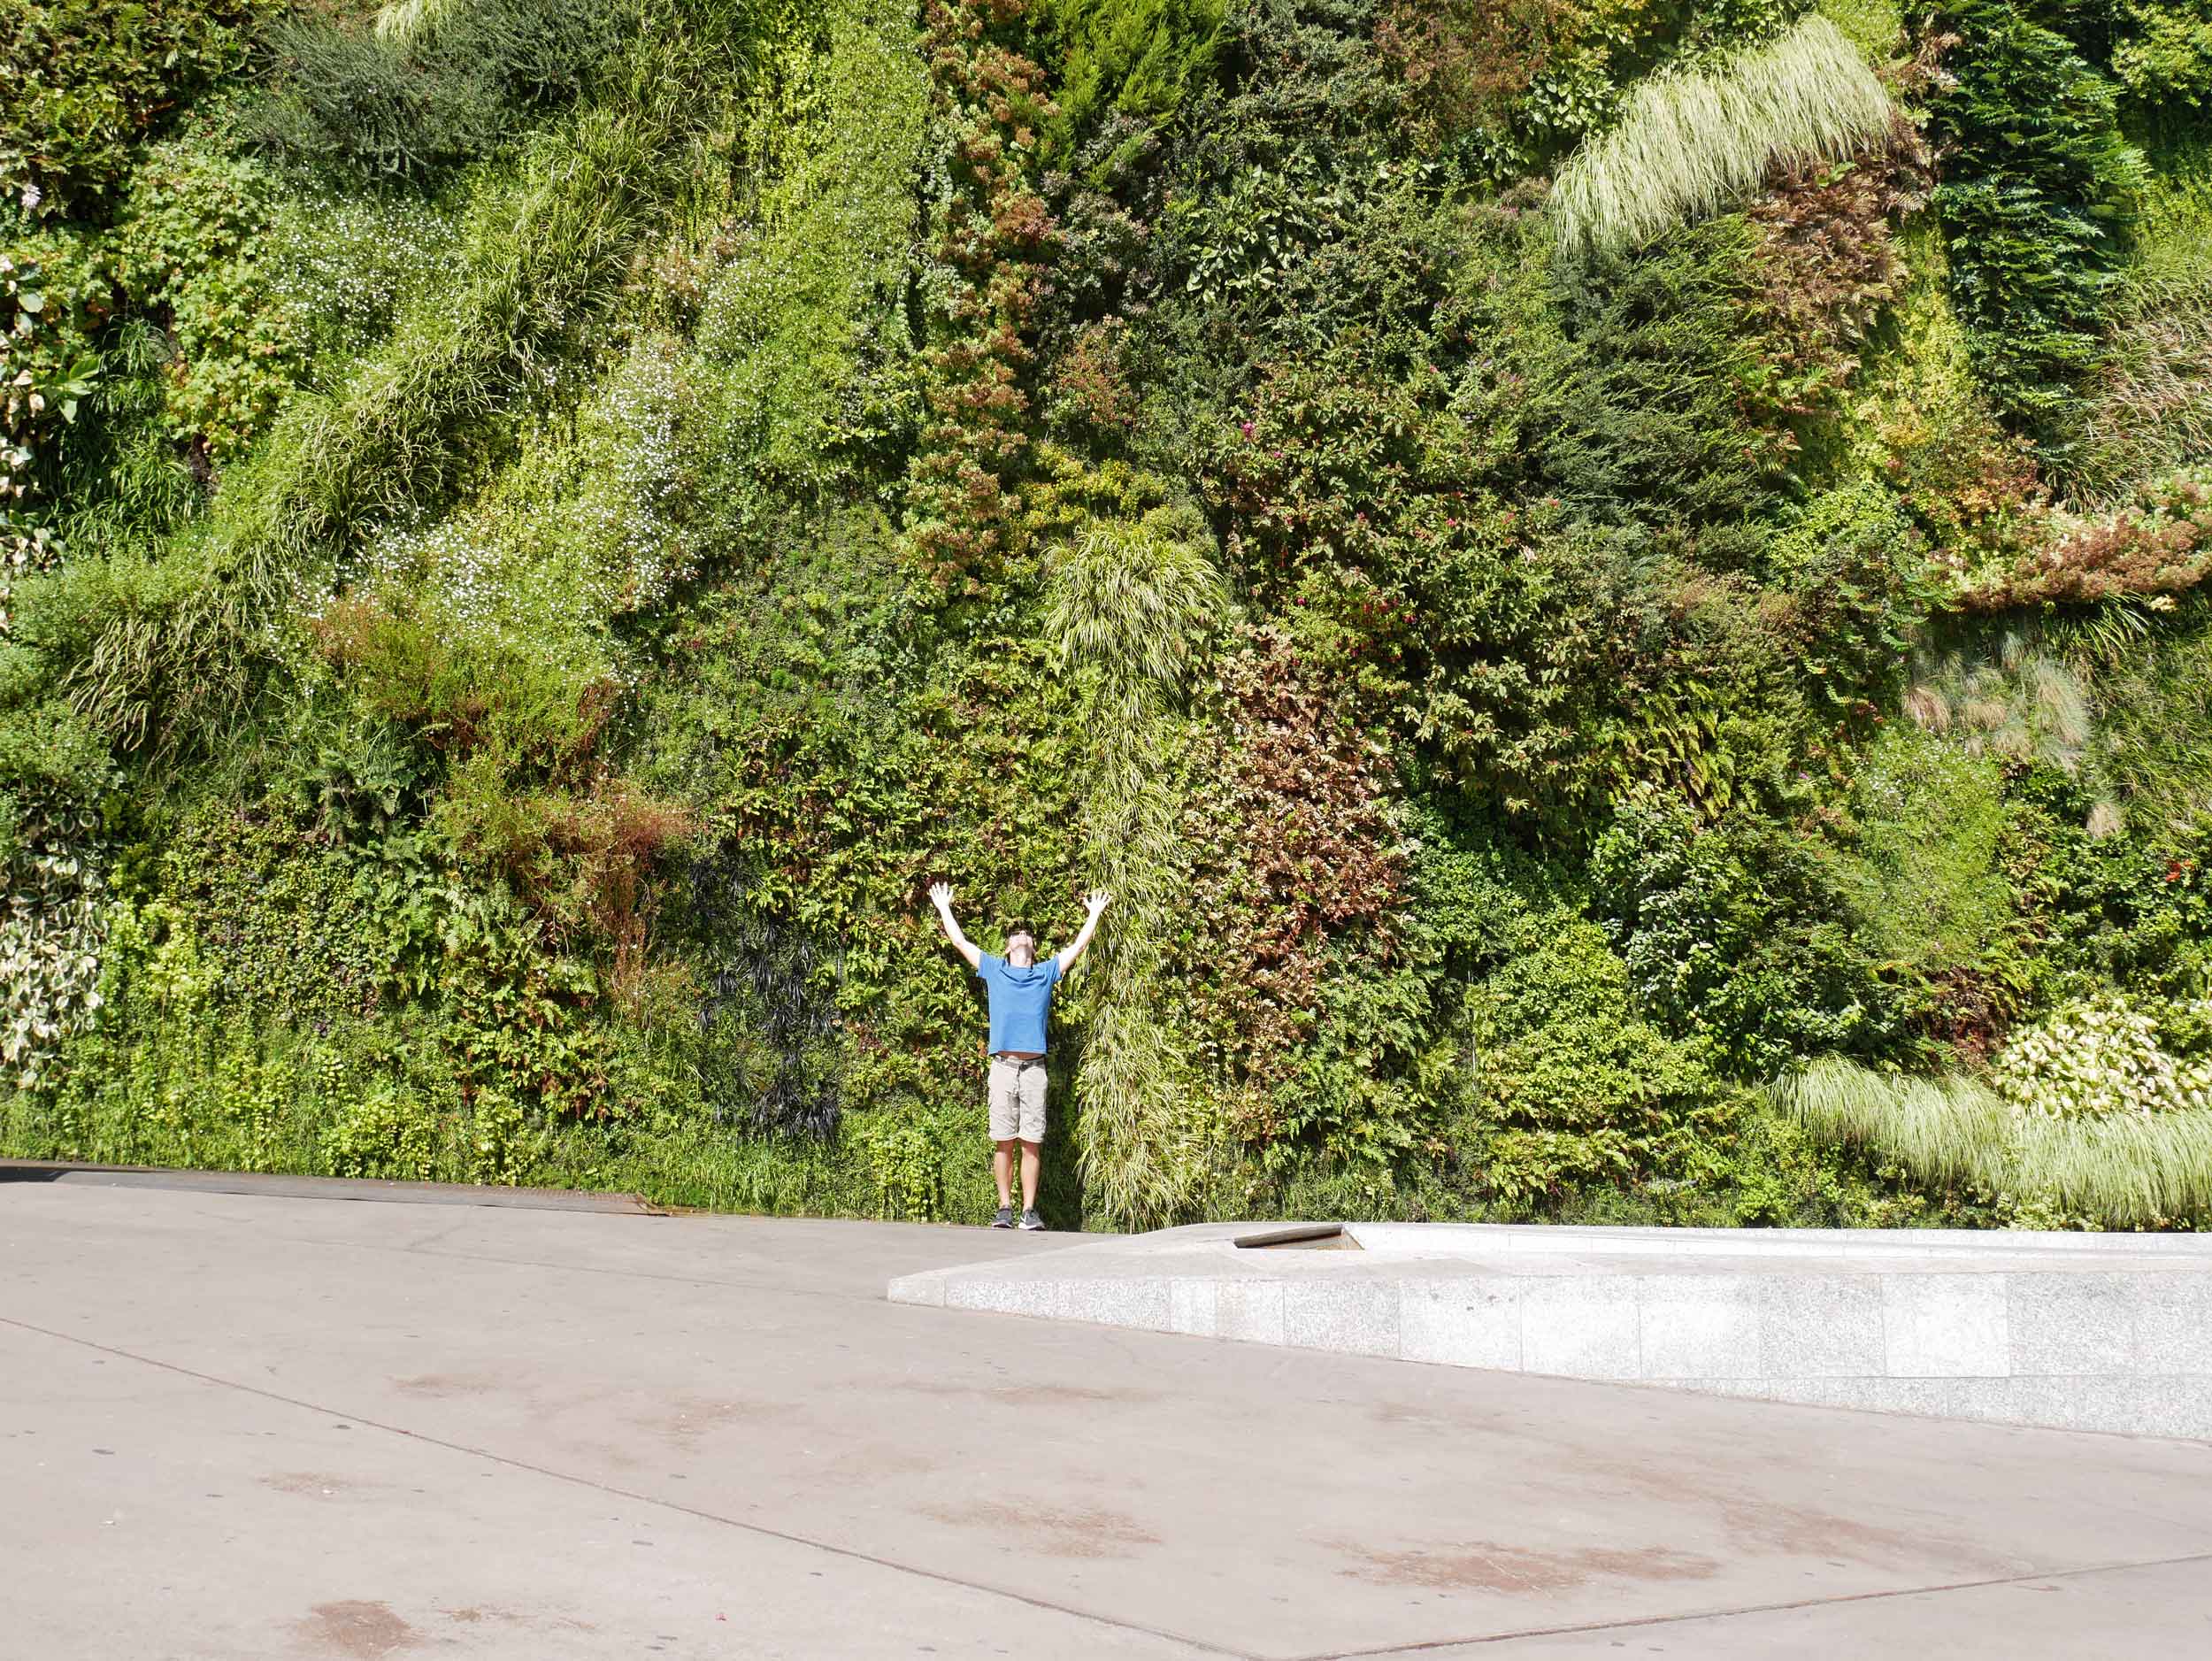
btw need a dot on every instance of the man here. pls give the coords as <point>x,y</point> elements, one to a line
<point>1021,1000</point>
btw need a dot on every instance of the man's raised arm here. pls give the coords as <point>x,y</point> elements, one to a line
<point>940,896</point>
<point>1098,902</point>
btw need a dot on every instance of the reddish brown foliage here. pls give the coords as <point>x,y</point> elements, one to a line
<point>996,234</point>
<point>1827,263</point>
<point>2138,555</point>
<point>1295,849</point>
<point>1469,63</point>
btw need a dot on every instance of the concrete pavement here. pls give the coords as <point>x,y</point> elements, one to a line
<point>232,1425</point>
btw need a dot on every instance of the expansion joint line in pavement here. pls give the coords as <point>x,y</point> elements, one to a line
<point>1379,1653</point>
<point>1634,1622</point>
<point>632,1495</point>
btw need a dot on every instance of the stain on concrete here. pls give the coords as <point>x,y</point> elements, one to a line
<point>355,1629</point>
<point>317,1484</point>
<point>1485,1566</point>
<point>689,1417</point>
<point>872,1462</point>
<point>1092,1532</point>
<point>438,1386</point>
<point>1046,1394</point>
<point>1753,1523</point>
<point>476,1614</point>
<point>1440,1416</point>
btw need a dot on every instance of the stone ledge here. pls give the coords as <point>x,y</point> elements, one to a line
<point>2077,1332</point>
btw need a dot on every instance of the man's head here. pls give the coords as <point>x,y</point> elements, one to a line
<point>1021,945</point>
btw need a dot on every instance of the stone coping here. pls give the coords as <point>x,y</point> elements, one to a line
<point>2095,1332</point>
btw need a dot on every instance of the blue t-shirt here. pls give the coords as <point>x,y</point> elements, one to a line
<point>1019,1000</point>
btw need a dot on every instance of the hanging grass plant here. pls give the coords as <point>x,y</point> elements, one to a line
<point>1130,606</point>
<point>1689,144</point>
<point>2123,1170</point>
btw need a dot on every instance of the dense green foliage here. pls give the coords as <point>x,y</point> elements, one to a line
<point>535,530</point>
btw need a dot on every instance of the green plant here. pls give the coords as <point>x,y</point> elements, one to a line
<point>1569,1089</point>
<point>379,1133</point>
<point>428,87</point>
<point>1139,58</point>
<point>56,786</point>
<point>994,236</point>
<point>49,368</point>
<point>88,81</point>
<point>2165,57</point>
<point>2097,1058</point>
<point>1692,142</point>
<point>2038,192</point>
<point>1736,933</point>
<point>2126,1171</point>
<point>1131,607</point>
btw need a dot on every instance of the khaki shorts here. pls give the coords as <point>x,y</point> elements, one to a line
<point>1018,1100</point>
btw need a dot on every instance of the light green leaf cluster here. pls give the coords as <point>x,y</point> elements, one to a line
<point>2097,1058</point>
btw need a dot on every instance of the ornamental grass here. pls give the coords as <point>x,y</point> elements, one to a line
<point>1690,144</point>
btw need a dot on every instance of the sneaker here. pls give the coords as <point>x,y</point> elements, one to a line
<point>1030,1220</point>
<point>1005,1218</point>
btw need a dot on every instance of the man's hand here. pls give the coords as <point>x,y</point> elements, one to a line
<point>941,896</point>
<point>1099,901</point>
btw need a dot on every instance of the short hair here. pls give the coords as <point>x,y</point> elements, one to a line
<point>1020,928</point>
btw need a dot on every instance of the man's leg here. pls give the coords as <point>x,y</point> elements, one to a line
<point>1005,1098</point>
<point>1031,1131</point>
<point>1029,1177</point>
<point>1003,1168</point>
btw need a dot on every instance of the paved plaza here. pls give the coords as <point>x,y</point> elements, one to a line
<point>250,1425</point>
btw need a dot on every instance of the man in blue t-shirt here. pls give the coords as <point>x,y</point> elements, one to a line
<point>1021,1000</point>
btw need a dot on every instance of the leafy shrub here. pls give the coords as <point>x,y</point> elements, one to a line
<point>1931,435</point>
<point>1569,1088</point>
<point>186,256</point>
<point>2151,552</point>
<point>1293,850</point>
<point>1692,142</point>
<point>1135,57</point>
<point>86,81</point>
<point>1505,79</point>
<point>2148,410</point>
<point>804,346</point>
<point>51,301</point>
<point>2164,59</point>
<point>346,267</point>
<point>1827,267</point>
<point>381,1133</point>
<point>994,234</point>
<point>2155,716</point>
<point>56,782</point>
<point>1736,933</point>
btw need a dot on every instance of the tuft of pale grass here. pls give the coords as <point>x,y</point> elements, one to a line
<point>2125,1170</point>
<point>1131,607</point>
<point>403,22</point>
<point>1690,143</point>
<point>1943,1130</point>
